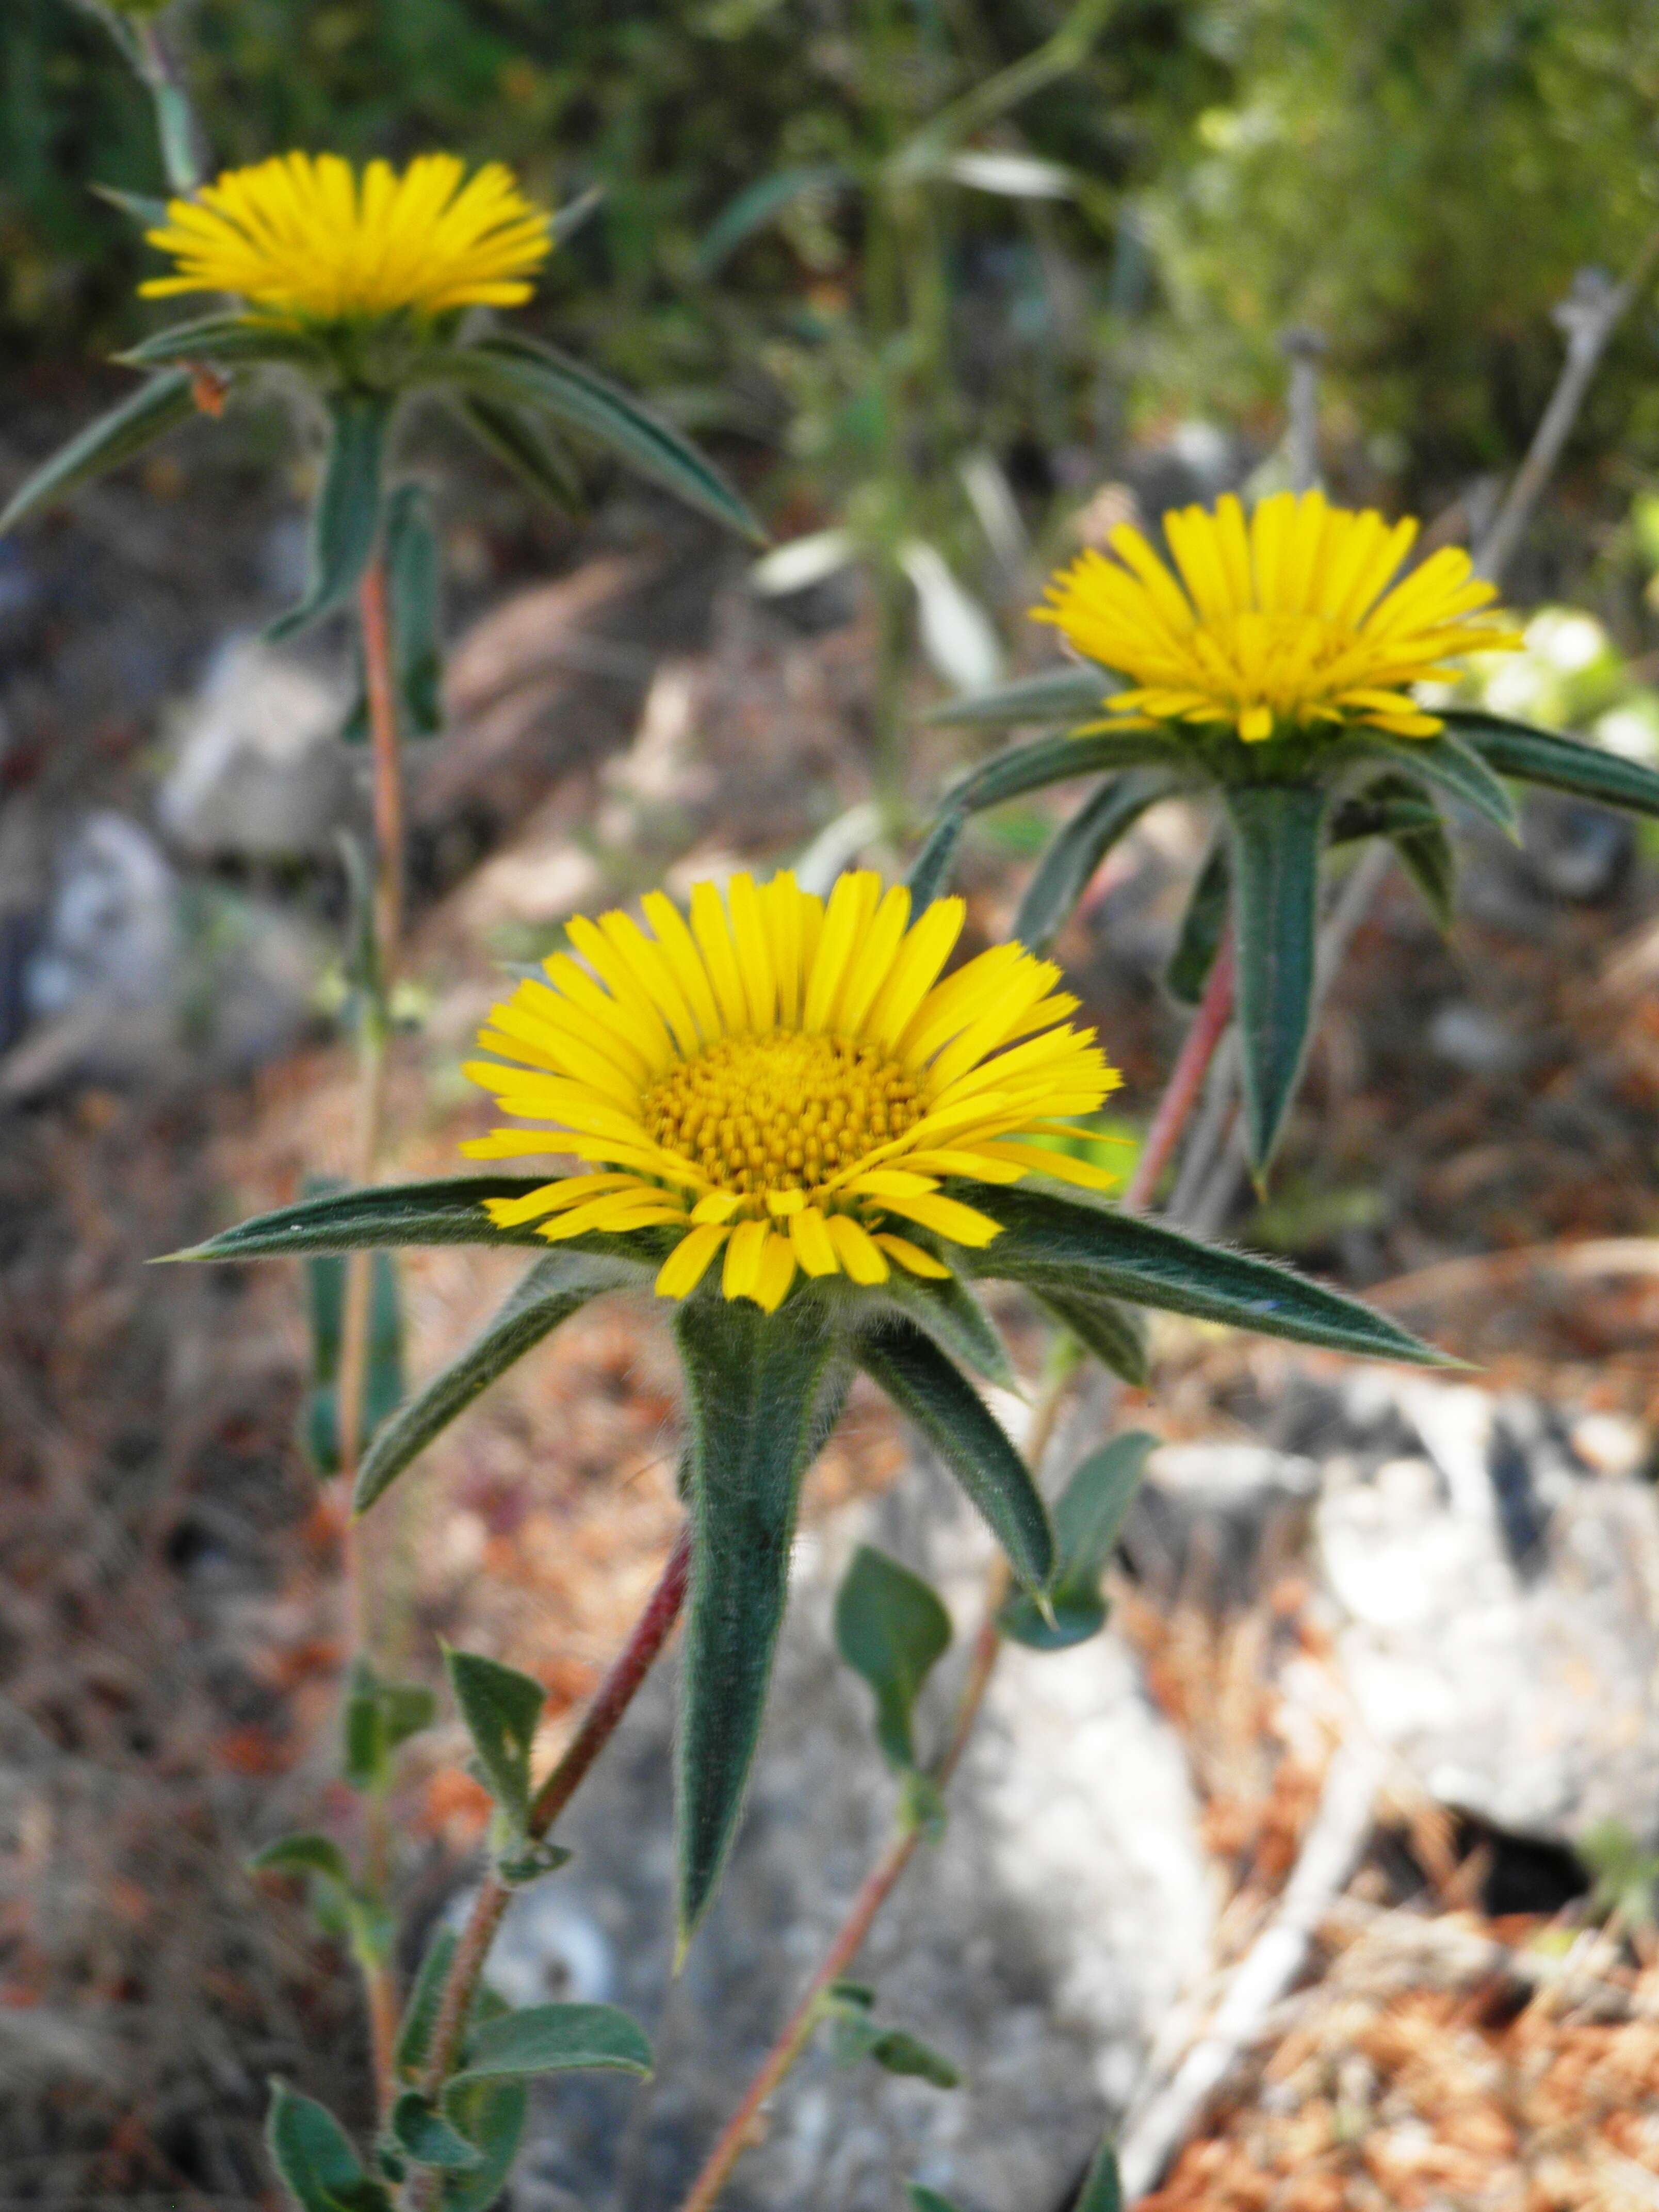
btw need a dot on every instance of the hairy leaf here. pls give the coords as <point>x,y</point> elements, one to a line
<point>763,1392</point>
<point>313,2155</point>
<point>1444,765</point>
<point>1068,1242</point>
<point>428,2138</point>
<point>554,1289</point>
<point>525,446</point>
<point>1560,763</point>
<point>1103,2190</point>
<point>490,2114</point>
<point>500,1707</point>
<point>420,2010</point>
<point>950,1412</point>
<point>1067,868</point>
<point>345,520</point>
<point>551,2039</point>
<point>1108,1330</point>
<point>1275,869</point>
<point>146,415</point>
<point>1202,928</point>
<point>892,1629</point>
<point>1088,1519</point>
<point>947,1310</point>
<point>230,339</point>
<point>1070,693</point>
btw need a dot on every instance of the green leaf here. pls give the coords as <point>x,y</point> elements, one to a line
<point>447,1210</point>
<point>554,1289</point>
<point>1113,1335</point>
<point>1068,1242</point>
<point>1275,869</point>
<point>224,338</point>
<point>1068,865</point>
<point>1202,928</point>
<point>551,2039</point>
<point>892,1629</point>
<point>950,1412</point>
<point>1445,765</point>
<point>345,520</point>
<point>144,415</point>
<point>414,617</point>
<point>1102,2191</point>
<point>1069,692</point>
<point>420,2011</point>
<point>380,1716</point>
<point>501,1708</point>
<point>944,1309</point>
<point>523,373</point>
<point>898,2051</point>
<point>303,1854</point>
<point>313,2155</point>
<point>383,1375</point>
<point>1088,1520</point>
<point>428,2137</point>
<point>1396,807</point>
<point>759,202</point>
<point>1560,763</point>
<point>928,2200</point>
<point>763,1392</point>
<point>490,2114</point>
<point>527,449</point>
<point>140,208</point>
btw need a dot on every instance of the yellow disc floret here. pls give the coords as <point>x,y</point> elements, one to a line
<point>1281,621</point>
<point>786,1081</point>
<point>303,238</point>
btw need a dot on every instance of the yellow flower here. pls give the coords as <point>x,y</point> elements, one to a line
<point>1289,619</point>
<point>300,236</point>
<point>786,1080</point>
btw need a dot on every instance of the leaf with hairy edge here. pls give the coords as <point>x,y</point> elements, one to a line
<point>553,2038</point>
<point>1063,874</point>
<point>1202,928</point>
<point>946,1309</point>
<point>523,373</point>
<point>1559,762</point>
<point>414,616</point>
<point>763,1393</point>
<point>1275,830</point>
<point>526,448</point>
<point>929,872</point>
<point>428,2138</point>
<point>759,202</point>
<point>224,338</point>
<point>381,1716</point>
<point>1064,1243</point>
<point>1398,807</point>
<point>1069,692</point>
<point>420,2011</point>
<point>1107,1330</point>
<point>500,1707</point>
<point>313,2155</point>
<point>446,1211</point>
<point>1103,2190</point>
<point>490,2114</point>
<point>950,1412</point>
<point>554,1289</point>
<point>1088,1520</point>
<point>345,519</point>
<point>1445,765</point>
<point>892,1629</point>
<point>146,415</point>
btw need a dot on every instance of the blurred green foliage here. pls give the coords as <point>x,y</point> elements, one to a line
<point>1418,179</point>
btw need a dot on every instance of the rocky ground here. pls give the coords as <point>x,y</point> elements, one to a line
<point>1464,1577</point>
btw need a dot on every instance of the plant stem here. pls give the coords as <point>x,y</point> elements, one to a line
<point>615,1694</point>
<point>175,121</point>
<point>1180,1092</point>
<point>387,929</point>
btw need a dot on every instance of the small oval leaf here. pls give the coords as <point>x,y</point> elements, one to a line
<point>553,2038</point>
<point>892,1629</point>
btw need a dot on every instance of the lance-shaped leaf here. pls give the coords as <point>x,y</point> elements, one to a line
<point>1398,808</point>
<point>1071,693</point>
<point>554,1289</point>
<point>1088,1520</point>
<point>762,1393</point>
<point>303,1854</point>
<point>231,340</point>
<point>892,1629</point>
<point>1103,2190</point>
<point>345,518</point>
<point>523,373</point>
<point>1108,1330</point>
<point>552,2039</point>
<point>1066,1242</point>
<point>1560,763</point>
<point>950,1412</point>
<point>1444,765</point>
<point>532,454</point>
<point>1064,872</point>
<point>931,870</point>
<point>758,204</point>
<point>141,208</point>
<point>146,415</point>
<point>1275,831</point>
<point>944,1309</point>
<point>446,1211</point>
<point>428,2137</point>
<point>424,2001</point>
<point>414,616</point>
<point>500,1707</point>
<point>1202,928</point>
<point>313,2153</point>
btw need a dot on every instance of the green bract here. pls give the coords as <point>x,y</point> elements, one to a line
<point>764,1391</point>
<point>1281,807</point>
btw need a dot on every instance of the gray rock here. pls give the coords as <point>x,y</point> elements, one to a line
<point>1039,1945</point>
<point>1213,1522</point>
<point>258,770</point>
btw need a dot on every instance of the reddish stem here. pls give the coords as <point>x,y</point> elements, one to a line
<point>1198,1048</point>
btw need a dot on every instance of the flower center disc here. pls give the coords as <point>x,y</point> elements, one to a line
<point>784,1112</point>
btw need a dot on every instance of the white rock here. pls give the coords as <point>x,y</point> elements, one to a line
<point>259,771</point>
